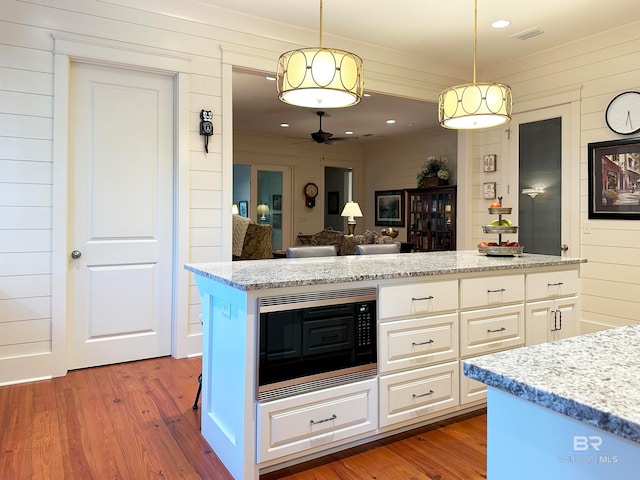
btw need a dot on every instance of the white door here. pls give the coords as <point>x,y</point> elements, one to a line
<point>121,219</point>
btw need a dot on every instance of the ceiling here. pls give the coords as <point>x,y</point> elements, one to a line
<point>414,27</point>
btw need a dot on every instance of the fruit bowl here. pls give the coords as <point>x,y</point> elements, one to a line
<point>500,210</point>
<point>501,251</point>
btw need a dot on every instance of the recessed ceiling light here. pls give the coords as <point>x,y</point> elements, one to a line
<point>367,95</point>
<point>391,121</point>
<point>349,132</point>
<point>270,78</point>
<point>501,24</point>
<point>284,125</point>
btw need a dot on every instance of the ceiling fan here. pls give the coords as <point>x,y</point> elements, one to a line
<point>326,137</point>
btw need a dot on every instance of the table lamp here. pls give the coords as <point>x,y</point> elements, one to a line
<point>351,210</point>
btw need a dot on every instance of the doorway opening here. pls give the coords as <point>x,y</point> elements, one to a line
<point>338,183</point>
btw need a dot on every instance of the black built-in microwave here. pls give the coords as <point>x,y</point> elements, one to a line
<point>319,340</point>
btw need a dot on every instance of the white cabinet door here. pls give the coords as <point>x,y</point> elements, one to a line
<point>551,320</point>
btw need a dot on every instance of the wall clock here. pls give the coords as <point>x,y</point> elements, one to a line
<point>310,194</point>
<point>623,113</point>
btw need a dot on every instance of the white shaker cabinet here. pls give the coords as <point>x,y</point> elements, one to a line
<point>552,305</point>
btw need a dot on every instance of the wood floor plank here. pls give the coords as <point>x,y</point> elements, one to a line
<point>16,433</point>
<point>134,421</point>
<point>46,454</point>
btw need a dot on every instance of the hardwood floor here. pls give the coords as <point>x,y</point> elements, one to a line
<point>135,421</point>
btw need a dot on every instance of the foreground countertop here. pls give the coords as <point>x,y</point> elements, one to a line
<point>593,378</point>
<point>291,272</point>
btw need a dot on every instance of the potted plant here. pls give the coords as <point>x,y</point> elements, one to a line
<point>434,172</point>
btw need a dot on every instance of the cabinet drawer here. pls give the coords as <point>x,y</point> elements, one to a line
<point>471,391</point>
<point>417,342</point>
<point>418,394</point>
<point>315,420</point>
<point>552,284</point>
<point>483,331</point>
<point>417,298</point>
<point>487,291</point>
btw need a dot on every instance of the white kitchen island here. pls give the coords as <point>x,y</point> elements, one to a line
<point>433,311</point>
<point>565,410</point>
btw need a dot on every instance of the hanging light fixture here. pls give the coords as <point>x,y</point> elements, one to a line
<point>475,105</point>
<point>320,77</point>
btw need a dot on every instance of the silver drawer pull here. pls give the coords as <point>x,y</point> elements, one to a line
<point>501,329</point>
<point>497,291</point>
<point>421,343</point>
<point>554,284</point>
<point>430,392</point>
<point>332,417</point>
<point>430,297</point>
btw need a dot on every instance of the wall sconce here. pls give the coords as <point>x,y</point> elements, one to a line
<point>533,192</point>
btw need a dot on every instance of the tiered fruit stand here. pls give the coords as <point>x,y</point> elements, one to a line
<point>500,249</point>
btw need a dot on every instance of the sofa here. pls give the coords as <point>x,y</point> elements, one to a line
<point>345,244</point>
<point>251,241</point>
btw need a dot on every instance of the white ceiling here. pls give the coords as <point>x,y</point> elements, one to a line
<point>430,29</point>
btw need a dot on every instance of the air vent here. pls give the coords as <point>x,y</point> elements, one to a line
<point>526,34</point>
<point>315,299</point>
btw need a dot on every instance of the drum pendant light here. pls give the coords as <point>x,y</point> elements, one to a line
<point>475,105</point>
<point>320,77</point>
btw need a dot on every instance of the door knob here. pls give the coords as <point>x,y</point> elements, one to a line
<point>564,247</point>
<point>76,254</point>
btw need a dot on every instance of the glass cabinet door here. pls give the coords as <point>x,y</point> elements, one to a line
<point>431,218</point>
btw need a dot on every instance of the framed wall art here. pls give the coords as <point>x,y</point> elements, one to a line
<point>489,190</point>
<point>614,179</point>
<point>389,208</point>
<point>489,163</point>
<point>243,208</point>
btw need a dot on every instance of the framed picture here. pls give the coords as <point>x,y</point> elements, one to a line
<point>243,208</point>
<point>614,179</point>
<point>333,203</point>
<point>489,190</point>
<point>276,202</point>
<point>276,221</point>
<point>390,208</point>
<point>489,163</point>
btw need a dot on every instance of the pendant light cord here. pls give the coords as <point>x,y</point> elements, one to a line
<point>475,36</point>
<point>320,23</point>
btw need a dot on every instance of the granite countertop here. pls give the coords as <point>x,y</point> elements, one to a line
<point>593,378</point>
<point>291,272</point>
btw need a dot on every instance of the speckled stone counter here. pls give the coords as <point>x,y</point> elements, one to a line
<point>290,272</point>
<point>566,410</point>
<point>592,378</point>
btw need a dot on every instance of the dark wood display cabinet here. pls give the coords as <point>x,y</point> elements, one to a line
<point>431,218</point>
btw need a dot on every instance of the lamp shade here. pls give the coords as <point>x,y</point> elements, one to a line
<point>320,77</point>
<point>234,209</point>
<point>351,209</point>
<point>475,105</point>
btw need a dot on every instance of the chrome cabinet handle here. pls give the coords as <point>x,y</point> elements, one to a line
<point>497,291</point>
<point>430,297</point>
<point>332,417</point>
<point>557,321</point>
<point>554,284</point>
<point>430,392</point>
<point>76,254</point>
<point>501,329</point>
<point>422,343</point>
